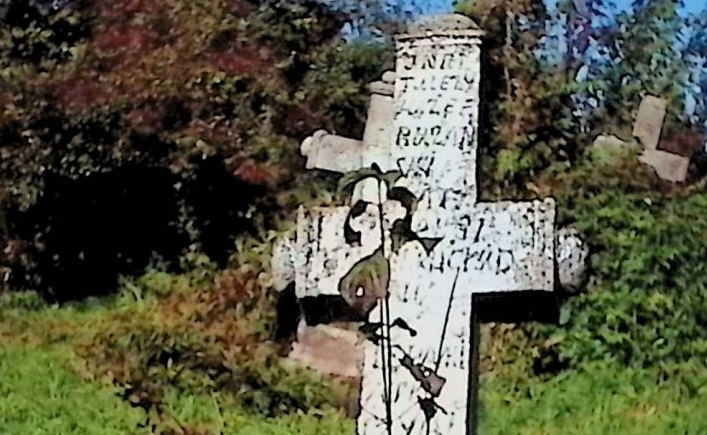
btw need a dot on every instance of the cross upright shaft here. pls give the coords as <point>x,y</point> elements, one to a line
<point>436,98</point>
<point>496,247</point>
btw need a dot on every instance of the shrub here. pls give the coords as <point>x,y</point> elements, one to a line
<point>208,339</point>
<point>131,130</point>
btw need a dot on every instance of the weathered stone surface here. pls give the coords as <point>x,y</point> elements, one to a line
<point>572,257</point>
<point>324,256</point>
<point>328,350</point>
<point>435,128</point>
<point>332,153</point>
<point>369,190</point>
<point>442,23</point>
<point>379,123</point>
<point>340,154</point>
<point>649,121</point>
<point>381,88</point>
<point>388,77</point>
<point>498,247</point>
<point>611,142</point>
<point>669,167</point>
<point>283,262</point>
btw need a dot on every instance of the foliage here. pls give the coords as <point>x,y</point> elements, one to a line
<point>47,388</point>
<point>216,339</point>
<point>545,97</point>
<point>133,130</point>
<point>646,303</point>
<point>527,122</point>
<point>163,135</point>
<point>645,56</point>
<point>44,392</point>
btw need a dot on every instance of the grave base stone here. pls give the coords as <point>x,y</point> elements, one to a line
<point>328,349</point>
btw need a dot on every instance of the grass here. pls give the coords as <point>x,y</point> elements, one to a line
<point>39,394</point>
<point>48,384</point>
<point>600,399</point>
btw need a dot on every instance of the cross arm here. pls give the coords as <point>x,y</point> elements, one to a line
<point>518,240</point>
<point>330,152</point>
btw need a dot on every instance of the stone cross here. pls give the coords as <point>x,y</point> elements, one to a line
<point>423,122</point>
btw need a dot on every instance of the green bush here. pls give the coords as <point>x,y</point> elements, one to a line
<point>201,340</point>
<point>28,301</point>
<point>647,301</point>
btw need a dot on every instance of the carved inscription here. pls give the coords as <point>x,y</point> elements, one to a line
<point>494,247</point>
<point>436,104</point>
<point>459,82</point>
<point>437,136</point>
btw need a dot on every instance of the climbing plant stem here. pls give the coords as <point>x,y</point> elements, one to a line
<point>385,314</point>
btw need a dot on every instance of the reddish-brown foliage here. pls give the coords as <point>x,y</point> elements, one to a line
<point>131,38</point>
<point>258,174</point>
<point>240,8</point>
<point>147,120</point>
<point>207,94</point>
<point>80,93</point>
<point>299,121</point>
<point>243,61</point>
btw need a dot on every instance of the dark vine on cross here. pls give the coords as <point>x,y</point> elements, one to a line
<point>366,285</point>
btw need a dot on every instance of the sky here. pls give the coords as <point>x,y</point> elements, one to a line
<point>447,5</point>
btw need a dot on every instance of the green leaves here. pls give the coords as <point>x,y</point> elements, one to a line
<point>404,197</point>
<point>401,233</point>
<point>366,282</point>
<point>351,179</point>
<point>648,295</point>
<point>352,236</point>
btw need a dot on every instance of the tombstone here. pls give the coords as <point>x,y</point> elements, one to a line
<point>332,153</point>
<point>335,153</point>
<point>649,121</point>
<point>648,128</point>
<point>611,143</point>
<point>419,375</point>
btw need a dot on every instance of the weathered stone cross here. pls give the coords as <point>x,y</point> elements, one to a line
<point>423,122</point>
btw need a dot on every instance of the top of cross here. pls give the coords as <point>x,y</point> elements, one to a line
<point>431,25</point>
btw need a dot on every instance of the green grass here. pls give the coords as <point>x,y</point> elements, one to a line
<point>218,414</point>
<point>599,399</point>
<point>39,394</point>
<point>46,388</point>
